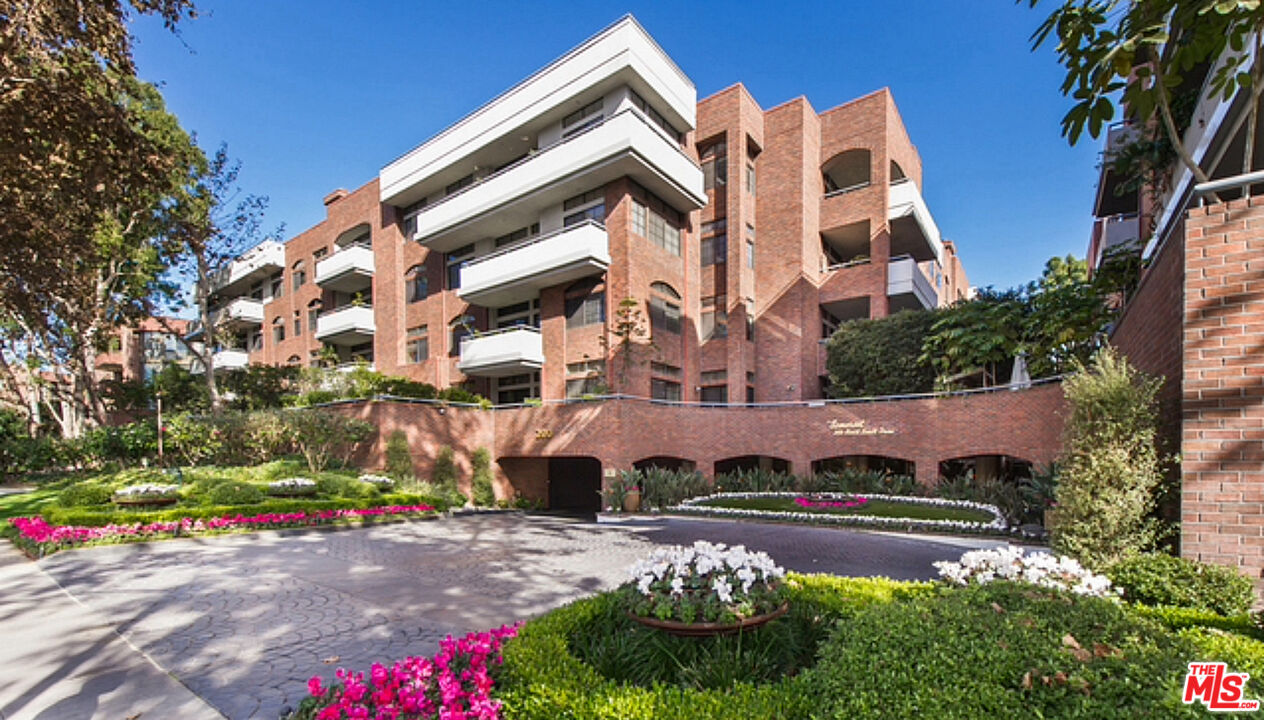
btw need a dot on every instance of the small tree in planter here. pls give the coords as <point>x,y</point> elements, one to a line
<point>444,475</point>
<point>399,458</point>
<point>484,495</point>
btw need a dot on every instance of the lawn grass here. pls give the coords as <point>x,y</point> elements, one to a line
<point>26,504</point>
<point>876,508</point>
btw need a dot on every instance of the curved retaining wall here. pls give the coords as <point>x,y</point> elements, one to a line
<point>618,432</point>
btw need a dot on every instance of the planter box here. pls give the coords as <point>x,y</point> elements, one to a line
<point>705,629</point>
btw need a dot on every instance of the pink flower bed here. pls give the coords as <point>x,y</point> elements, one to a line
<point>37,530</point>
<point>455,684</point>
<point>809,503</point>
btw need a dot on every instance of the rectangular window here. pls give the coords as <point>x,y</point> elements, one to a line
<point>664,369</point>
<point>459,185</point>
<point>638,218</point>
<point>583,118</point>
<point>596,213</point>
<point>715,250</point>
<point>298,325</point>
<point>456,260</point>
<point>255,343</point>
<point>278,333</point>
<point>714,394</point>
<point>654,116</point>
<point>256,290</point>
<point>514,389</point>
<point>585,378</point>
<point>714,319</point>
<point>418,286</point>
<point>300,277</point>
<point>750,178</point>
<point>664,315</point>
<point>711,377</point>
<point>750,254</point>
<point>312,314</point>
<point>664,390</point>
<point>319,253</point>
<point>587,310</point>
<point>715,164</point>
<point>518,235</point>
<point>418,344</point>
<point>409,215</point>
<point>750,394</point>
<point>277,286</point>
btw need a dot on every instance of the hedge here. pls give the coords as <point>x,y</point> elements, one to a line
<point>88,517</point>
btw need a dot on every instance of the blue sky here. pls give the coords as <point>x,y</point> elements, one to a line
<point>317,95</point>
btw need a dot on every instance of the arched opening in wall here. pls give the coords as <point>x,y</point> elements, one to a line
<point>361,234</point>
<point>866,463</point>
<point>897,173</point>
<point>986,467</point>
<point>574,484</point>
<point>846,171</point>
<point>747,463</point>
<point>665,462</point>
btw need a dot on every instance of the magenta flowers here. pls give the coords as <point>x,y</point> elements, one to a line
<point>455,684</point>
<point>43,536</point>
<point>809,503</point>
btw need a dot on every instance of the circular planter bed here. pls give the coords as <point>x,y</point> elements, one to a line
<point>292,493</point>
<point>141,501</point>
<point>706,629</point>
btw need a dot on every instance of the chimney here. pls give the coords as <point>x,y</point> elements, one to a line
<point>335,196</point>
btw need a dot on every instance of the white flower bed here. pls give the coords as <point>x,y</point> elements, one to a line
<point>294,484</point>
<point>694,506</point>
<point>147,490</point>
<point>704,582</point>
<point>979,567</point>
<point>380,481</point>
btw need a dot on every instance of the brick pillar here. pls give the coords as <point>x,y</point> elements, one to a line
<point>1222,387</point>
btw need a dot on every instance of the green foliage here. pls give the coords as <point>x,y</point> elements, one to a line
<point>757,480</point>
<point>234,492</point>
<point>321,385</point>
<point>1161,579</point>
<point>869,358</point>
<point>399,457</point>
<point>320,436</point>
<point>101,516</point>
<point>1000,650</point>
<point>1004,493</point>
<point>1109,469</point>
<point>84,495</point>
<point>258,387</point>
<point>661,488</point>
<point>444,474</point>
<point>193,440</point>
<point>481,490</point>
<point>861,482</point>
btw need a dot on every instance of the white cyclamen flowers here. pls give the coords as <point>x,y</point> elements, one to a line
<point>147,490</point>
<point>294,483</point>
<point>728,569</point>
<point>979,567</point>
<point>379,480</point>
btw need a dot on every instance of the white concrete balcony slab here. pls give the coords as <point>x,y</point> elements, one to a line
<point>624,144</point>
<point>502,352</point>
<point>261,261</point>
<point>241,311</point>
<point>230,359</point>
<point>908,288</point>
<point>519,272</point>
<point>347,325</point>
<point>913,229</point>
<point>348,270</point>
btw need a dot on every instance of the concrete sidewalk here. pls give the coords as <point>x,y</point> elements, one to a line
<point>62,660</point>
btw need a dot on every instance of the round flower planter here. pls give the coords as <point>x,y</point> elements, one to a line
<point>632,502</point>
<point>705,629</point>
<point>142,500</point>
<point>292,493</point>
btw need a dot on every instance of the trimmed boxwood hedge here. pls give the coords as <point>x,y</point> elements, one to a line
<point>1162,579</point>
<point>912,650</point>
<point>79,516</point>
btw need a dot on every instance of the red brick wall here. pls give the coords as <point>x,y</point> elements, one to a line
<point>1222,438</point>
<point>1025,424</point>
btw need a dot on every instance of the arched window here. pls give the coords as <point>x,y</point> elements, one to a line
<point>299,273</point>
<point>361,234</point>
<point>278,330</point>
<point>848,170</point>
<point>417,283</point>
<point>313,312</point>
<point>897,173</point>
<point>664,308</point>
<point>586,303</point>
<point>461,327</point>
<point>294,360</point>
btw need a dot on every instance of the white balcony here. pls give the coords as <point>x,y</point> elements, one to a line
<point>348,270</point>
<point>624,144</point>
<point>622,54</point>
<point>230,359</point>
<point>347,325</point>
<point>908,288</point>
<point>265,259</point>
<point>913,229</point>
<point>520,272</point>
<point>502,352</point>
<point>239,312</point>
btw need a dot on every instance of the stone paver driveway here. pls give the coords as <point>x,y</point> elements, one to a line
<point>245,620</point>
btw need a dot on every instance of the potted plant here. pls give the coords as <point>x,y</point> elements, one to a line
<point>631,498</point>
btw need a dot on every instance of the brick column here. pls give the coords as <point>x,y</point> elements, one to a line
<point>1222,387</point>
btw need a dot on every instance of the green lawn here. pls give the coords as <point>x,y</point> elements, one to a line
<point>27,503</point>
<point>877,508</point>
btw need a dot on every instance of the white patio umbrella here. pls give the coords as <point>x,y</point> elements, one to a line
<point>1019,378</point>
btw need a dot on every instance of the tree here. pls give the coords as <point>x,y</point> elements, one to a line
<point>73,151</point>
<point>1143,51</point>
<point>220,226</point>
<point>53,329</point>
<point>880,356</point>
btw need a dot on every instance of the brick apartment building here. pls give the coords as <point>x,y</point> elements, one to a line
<point>1197,320</point>
<point>498,253</point>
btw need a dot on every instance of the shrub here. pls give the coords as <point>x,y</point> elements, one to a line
<point>104,516</point>
<point>662,488</point>
<point>191,438</point>
<point>84,494</point>
<point>399,457</point>
<point>1109,470</point>
<point>444,474</point>
<point>234,492</point>
<point>880,356</point>
<point>484,495</point>
<point>1161,579</point>
<point>1000,650</point>
<point>320,435</point>
<point>861,482</point>
<point>757,480</point>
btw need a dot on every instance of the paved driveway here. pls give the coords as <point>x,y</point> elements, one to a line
<point>244,620</point>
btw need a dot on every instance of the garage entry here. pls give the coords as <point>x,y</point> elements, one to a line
<point>575,484</point>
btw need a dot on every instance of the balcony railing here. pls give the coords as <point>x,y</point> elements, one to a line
<point>348,270</point>
<point>576,162</point>
<point>264,259</point>
<point>346,325</point>
<point>507,351</point>
<point>519,272</point>
<point>230,359</point>
<point>908,287</point>
<point>913,229</point>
